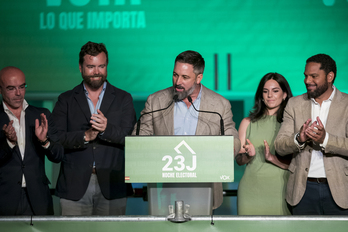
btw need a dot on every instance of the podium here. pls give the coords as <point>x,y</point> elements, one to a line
<point>179,168</point>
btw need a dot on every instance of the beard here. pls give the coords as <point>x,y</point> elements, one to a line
<point>318,91</point>
<point>184,94</point>
<point>94,84</point>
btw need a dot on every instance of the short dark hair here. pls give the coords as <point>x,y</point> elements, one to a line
<point>260,109</point>
<point>93,49</point>
<point>326,62</point>
<point>193,58</point>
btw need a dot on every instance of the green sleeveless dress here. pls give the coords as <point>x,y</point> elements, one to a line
<point>261,190</point>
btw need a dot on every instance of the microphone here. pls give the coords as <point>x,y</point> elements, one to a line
<point>175,98</point>
<point>211,112</point>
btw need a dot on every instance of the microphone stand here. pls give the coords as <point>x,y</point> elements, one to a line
<point>222,129</point>
<point>175,98</point>
<point>222,133</point>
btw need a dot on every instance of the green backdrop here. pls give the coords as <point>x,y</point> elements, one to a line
<point>43,37</point>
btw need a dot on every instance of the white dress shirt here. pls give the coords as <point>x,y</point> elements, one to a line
<point>317,169</point>
<point>19,126</point>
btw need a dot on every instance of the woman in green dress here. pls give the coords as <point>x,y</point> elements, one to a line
<point>261,190</point>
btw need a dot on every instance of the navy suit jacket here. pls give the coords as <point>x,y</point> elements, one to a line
<point>12,167</point>
<point>72,115</point>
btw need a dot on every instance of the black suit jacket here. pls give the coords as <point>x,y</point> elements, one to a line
<point>12,167</point>
<point>72,115</point>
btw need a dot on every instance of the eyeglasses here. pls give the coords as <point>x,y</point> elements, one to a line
<point>11,89</point>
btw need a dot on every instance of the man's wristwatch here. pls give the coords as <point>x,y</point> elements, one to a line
<point>44,142</point>
<point>297,139</point>
<point>84,139</point>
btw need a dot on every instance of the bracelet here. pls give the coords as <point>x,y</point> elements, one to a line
<point>44,142</point>
<point>245,153</point>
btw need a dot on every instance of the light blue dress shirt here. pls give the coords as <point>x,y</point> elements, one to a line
<point>100,99</point>
<point>186,119</point>
<point>90,103</point>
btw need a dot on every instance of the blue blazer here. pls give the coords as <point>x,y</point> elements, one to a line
<point>72,115</point>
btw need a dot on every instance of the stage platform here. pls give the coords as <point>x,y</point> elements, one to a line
<point>154,224</point>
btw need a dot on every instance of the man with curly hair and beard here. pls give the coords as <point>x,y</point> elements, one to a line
<point>315,130</point>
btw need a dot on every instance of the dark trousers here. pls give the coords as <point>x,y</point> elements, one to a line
<point>24,206</point>
<point>318,200</point>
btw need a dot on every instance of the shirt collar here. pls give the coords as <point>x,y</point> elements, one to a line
<point>200,93</point>
<point>7,110</point>
<point>198,97</point>
<point>86,91</point>
<point>333,93</point>
<point>330,98</point>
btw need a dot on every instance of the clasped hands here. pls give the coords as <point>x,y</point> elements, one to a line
<point>40,130</point>
<point>98,125</point>
<point>312,132</point>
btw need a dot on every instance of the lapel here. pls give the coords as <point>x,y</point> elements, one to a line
<point>109,97</point>
<point>29,125</point>
<point>3,116</point>
<point>81,101</point>
<point>335,114</point>
<point>306,104</point>
<point>4,119</point>
<point>168,115</point>
<point>207,104</point>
